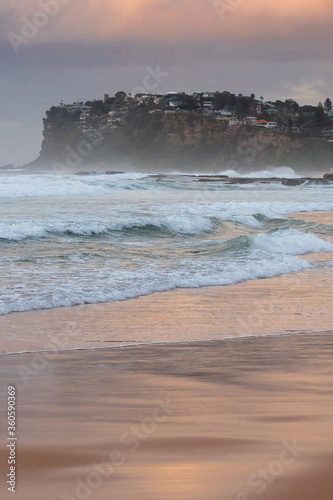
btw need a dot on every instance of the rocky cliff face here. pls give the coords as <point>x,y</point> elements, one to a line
<point>177,141</point>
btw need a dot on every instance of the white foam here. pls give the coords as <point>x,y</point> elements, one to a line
<point>194,225</point>
<point>50,185</point>
<point>111,280</point>
<point>179,224</point>
<point>250,221</point>
<point>17,232</point>
<point>291,242</point>
<point>278,172</point>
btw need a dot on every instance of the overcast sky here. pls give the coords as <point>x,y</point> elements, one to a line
<point>53,50</point>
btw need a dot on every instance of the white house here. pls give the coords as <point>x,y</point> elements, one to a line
<point>260,123</point>
<point>272,124</point>
<point>207,104</point>
<point>233,122</point>
<point>249,120</point>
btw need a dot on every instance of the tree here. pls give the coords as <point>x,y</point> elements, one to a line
<point>319,118</point>
<point>232,101</point>
<point>300,119</point>
<point>97,108</point>
<point>189,102</point>
<point>120,98</point>
<point>328,105</point>
<point>242,107</point>
<point>221,100</point>
<point>295,107</point>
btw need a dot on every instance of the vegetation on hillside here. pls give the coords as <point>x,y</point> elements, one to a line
<point>150,133</point>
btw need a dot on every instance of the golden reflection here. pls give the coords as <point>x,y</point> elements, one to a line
<point>184,479</point>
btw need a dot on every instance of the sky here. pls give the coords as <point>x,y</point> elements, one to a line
<point>54,50</point>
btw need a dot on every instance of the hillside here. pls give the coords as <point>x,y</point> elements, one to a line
<point>138,137</point>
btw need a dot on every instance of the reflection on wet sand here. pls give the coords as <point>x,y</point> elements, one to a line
<point>216,420</point>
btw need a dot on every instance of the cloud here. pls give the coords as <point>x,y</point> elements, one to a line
<point>95,21</point>
<point>310,91</point>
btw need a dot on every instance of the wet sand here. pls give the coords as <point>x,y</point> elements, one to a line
<point>294,302</point>
<point>318,217</point>
<point>237,419</point>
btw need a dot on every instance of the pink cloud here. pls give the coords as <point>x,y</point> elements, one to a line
<point>171,20</point>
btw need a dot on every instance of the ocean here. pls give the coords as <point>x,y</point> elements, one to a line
<point>67,239</point>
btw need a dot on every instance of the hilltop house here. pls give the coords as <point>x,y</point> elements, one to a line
<point>209,95</point>
<point>207,104</point>
<point>249,120</point>
<point>272,125</point>
<point>260,123</point>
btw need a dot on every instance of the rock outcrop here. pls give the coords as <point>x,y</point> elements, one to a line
<point>187,142</point>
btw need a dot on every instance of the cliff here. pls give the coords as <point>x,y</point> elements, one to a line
<point>141,140</point>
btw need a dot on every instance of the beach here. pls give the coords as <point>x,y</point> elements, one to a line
<point>289,303</point>
<point>206,392</point>
<point>235,419</point>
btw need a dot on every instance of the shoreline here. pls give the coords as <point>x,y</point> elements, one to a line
<point>290,303</point>
<point>254,307</point>
<point>174,343</point>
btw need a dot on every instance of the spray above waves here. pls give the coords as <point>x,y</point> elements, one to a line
<point>277,172</point>
<point>71,185</point>
<point>65,185</point>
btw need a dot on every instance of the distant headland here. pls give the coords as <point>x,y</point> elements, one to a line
<point>176,131</point>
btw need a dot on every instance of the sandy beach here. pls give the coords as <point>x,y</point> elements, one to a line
<point>235,418</point>
<point>288,303</point>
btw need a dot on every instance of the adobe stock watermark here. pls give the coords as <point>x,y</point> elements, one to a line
<point>76,154</point>
<point>130,442</point>
<point>262,478</point>
<point>31,26</point>
<point>225,7</point>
